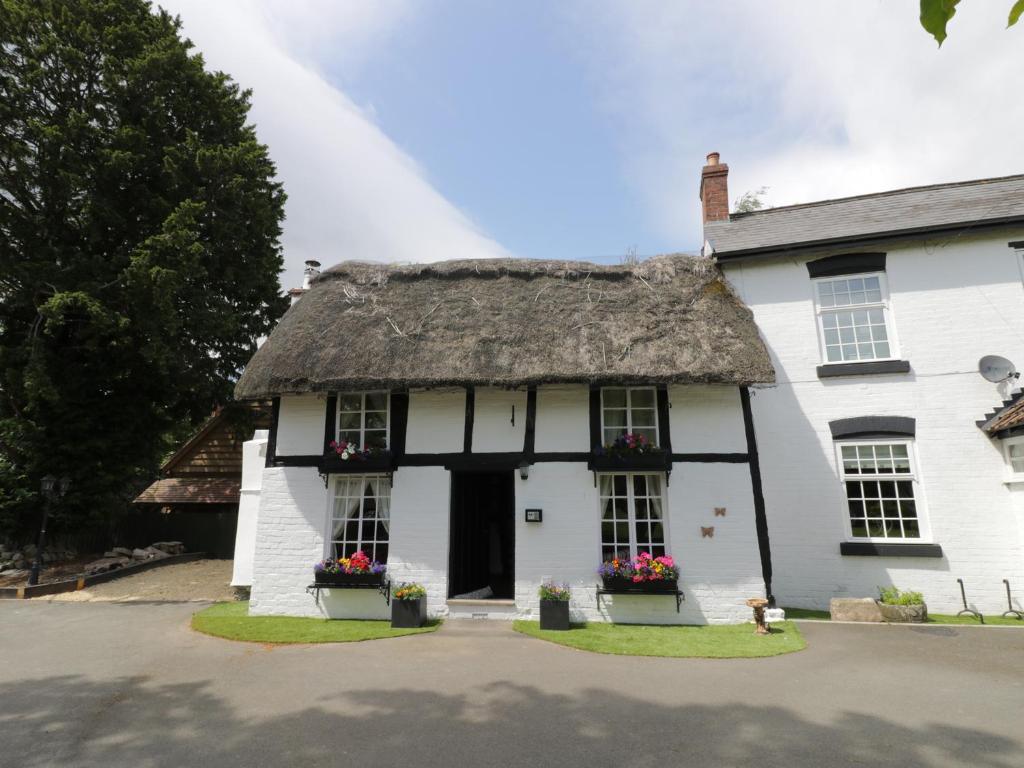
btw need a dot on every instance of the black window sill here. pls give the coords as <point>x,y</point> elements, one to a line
<point>872,549</point>
<point>831,370</point>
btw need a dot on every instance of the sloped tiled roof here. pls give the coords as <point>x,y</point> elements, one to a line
<point>866,218</point>
<point>192,490</point>
<point>1009,415</point>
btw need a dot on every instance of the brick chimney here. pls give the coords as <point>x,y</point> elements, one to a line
<point>714,190</point>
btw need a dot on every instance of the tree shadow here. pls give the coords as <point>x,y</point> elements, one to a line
<point>74,721</point>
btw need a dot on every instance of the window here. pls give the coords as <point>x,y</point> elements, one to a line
<point>632,515</point>
<point>363,418</point>
<point>629,409</point>
<point>880,483</point>
<point>1013,451</point>
<point>853,318</point>
<point>361,516</point>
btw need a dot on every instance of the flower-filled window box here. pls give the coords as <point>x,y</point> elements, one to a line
<point>343,456</point>
<point>358,570</point>
<point>630,451</point>
<point>643,573</point>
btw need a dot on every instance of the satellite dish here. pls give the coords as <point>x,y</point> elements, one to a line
<point>995,368</point>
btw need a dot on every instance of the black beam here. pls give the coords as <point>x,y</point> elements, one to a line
<point>760,517</point>
<point>467,437</point>
<point>529,439</point>
<point>275,417</point>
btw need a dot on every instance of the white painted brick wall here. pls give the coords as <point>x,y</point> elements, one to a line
<point>563,420</point>
<point>706,419</point>
<point>437,421</point>
<point>300,430</point>
<point>952,301</point>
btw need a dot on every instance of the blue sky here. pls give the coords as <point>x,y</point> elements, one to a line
<point>426,130</point>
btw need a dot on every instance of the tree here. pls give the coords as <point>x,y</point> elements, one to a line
<point>139,248</point>
<point>936,14</point>
<point>750,200</point>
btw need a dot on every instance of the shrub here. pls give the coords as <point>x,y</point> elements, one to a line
<point>409,591</point>
<point>893,596</point>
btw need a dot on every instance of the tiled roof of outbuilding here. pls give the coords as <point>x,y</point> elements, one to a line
<point>866,218</point>
<point>1006,417</point>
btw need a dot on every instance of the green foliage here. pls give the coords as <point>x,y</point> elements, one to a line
<point>233,622</point>
<point>893,596</point>
<point>550,591</point>
<point>750,201</point>
<point>139,249</point>
<point>729,641</point>
<point>409,591</point>
<point>936,14</point>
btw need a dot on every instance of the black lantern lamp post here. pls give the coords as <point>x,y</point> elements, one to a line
<point>53,491</point>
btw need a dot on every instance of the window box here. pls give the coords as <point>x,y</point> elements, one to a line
<point>554,614</point>
<point>643,462</point>
<point>408,614</point>
<point>380,463</point>
<point>621,584</point>
<point>324,578</point>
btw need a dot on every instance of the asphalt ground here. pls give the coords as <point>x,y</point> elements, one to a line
<point>129,684</point>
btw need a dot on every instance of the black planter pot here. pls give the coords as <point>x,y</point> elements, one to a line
<point>333,463</point>
<point>406,614</point>
<point>348,579</point>
<point>554,614</point>
<point>659,461</point>
<point>620,584</point>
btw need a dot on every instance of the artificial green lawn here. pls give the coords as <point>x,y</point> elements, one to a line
<point>732,641</point>
<point>933,618</point>
<point>233,622</point>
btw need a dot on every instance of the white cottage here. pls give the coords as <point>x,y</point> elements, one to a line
<point>490,387</point>
<point>876,310</point>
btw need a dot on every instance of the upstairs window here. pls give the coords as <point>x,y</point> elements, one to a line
<point>363,419</point>
<point>881,484</point>
<point>853,318</point>
<point>629,409</point>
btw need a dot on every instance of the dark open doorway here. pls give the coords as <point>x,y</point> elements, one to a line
<point>483,534</point>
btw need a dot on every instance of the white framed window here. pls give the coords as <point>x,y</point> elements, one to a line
<point>854,322</point>
<point>364,418</point>
<point>632,514</point>
<point>361,516</point>
<point>882,489</point>
<point>629,409</point>
<point>1013,452</point>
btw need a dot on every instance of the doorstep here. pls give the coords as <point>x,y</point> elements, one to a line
<point>481,609</point>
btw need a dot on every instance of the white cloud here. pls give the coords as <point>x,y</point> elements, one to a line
<point>352,193</point>
<point>814,100</point>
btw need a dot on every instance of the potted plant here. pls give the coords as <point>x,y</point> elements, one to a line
<point>902,607</point>
<point>409,605</point>
<point>343,456</point>
<point>554,606</point>
<point>356,570</point>
<point>643,573</point>
<point>631,451</point>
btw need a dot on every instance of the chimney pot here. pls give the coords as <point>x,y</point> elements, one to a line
<point>312,270</point>
<point>714,189</point>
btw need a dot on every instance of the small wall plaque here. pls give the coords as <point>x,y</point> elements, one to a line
<point>534,515</point>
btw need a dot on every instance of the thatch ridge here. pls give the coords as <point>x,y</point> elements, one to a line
<point>511,322</point>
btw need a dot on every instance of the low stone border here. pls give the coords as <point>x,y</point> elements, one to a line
<point>73,585</point>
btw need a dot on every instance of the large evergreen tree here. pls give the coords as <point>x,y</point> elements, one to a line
<point>139,247</point>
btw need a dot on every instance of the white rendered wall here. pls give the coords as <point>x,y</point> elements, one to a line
<point>493,427</point>
<point>254,457</point>
<point>952,302</point>
<point>300,425</point>
<point>437,420</point>
<point>563,420</point>
<point>706,419</point>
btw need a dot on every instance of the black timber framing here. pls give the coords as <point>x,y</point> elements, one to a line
<point>330,421</point>
<point>664,433</point>
<point>846,264</point>
<point>399,423</point>
<point>529,438</point>
<point>760,517</point>
<point>464,461</point>
<point>275,417</point>
<point>467,435</point>
<point>596,438</point>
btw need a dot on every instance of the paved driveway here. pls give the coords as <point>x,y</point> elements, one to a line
<point>130,685</point>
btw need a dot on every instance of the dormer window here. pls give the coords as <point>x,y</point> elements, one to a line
<point>629,409</point>
<point>363,419</point>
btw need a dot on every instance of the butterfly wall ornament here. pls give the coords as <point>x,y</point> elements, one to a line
<point>707,533</point>
<point>719,511</point>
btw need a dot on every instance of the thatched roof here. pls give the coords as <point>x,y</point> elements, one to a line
<point>509,322</point>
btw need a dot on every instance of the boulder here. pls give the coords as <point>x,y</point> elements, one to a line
<point>855,609</point>
<point>904,614</point>
<point>122,551</point>
<point>170,547</point>
<point>155,554</point>
<point>140,554</point>
<point>105,564</point>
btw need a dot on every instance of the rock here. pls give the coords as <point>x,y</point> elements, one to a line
<point>170,547</point>
<point>155,554</point>
<point>904,614</point>
<point>111,553</point>
<point>773,615</point>
<point>106,564</point>
<point>140,554</point>
<point>855,609</point>
<point>29,550</point>
<point>15,574</point>
<point>122,551</point>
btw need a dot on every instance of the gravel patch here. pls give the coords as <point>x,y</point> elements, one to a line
<point>200,580</point>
